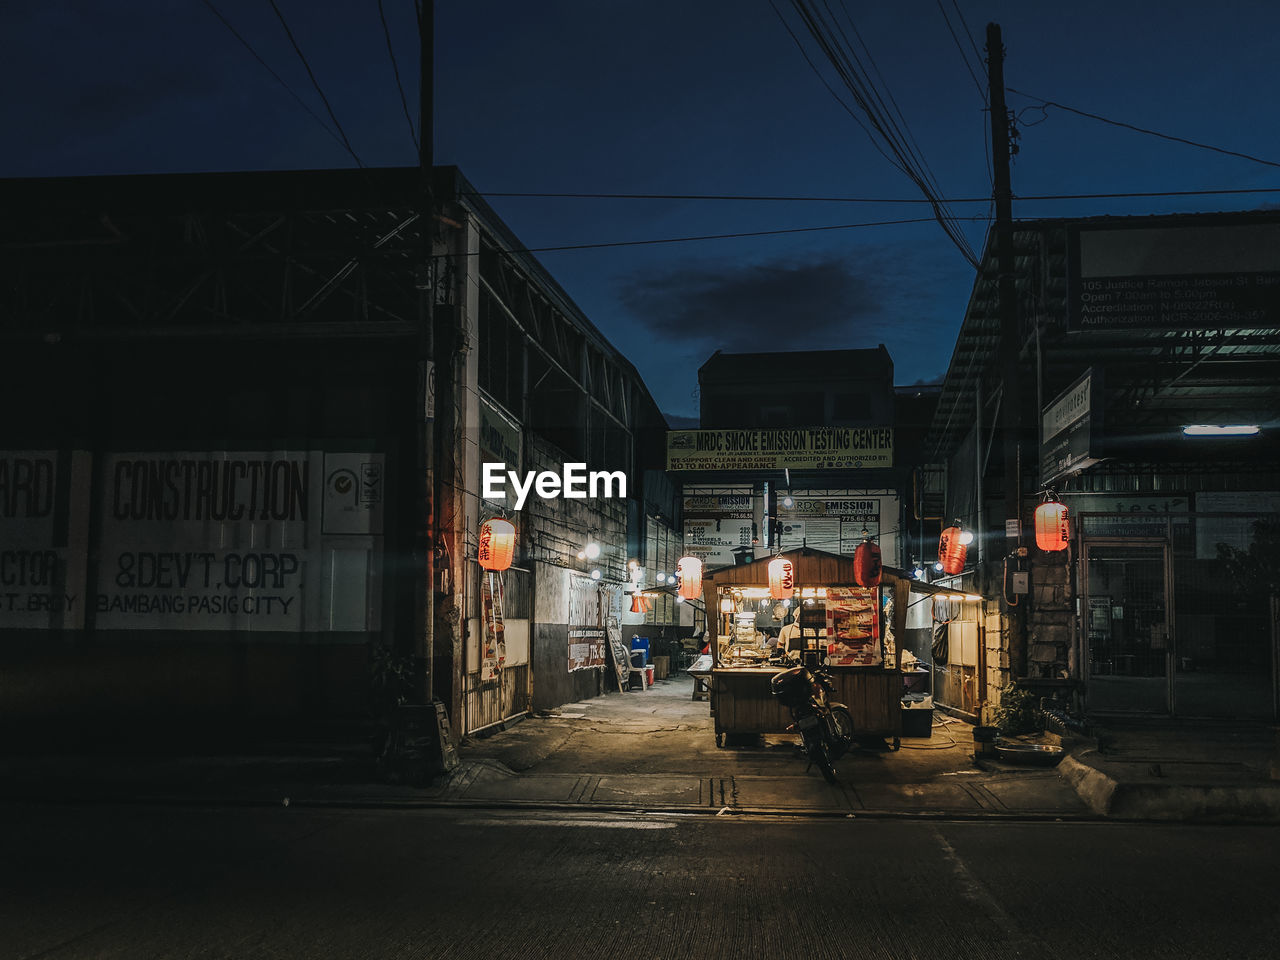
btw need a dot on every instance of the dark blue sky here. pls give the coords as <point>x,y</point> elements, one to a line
<point>661,97</point>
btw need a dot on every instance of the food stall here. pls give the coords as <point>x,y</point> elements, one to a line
<point>849,628</point>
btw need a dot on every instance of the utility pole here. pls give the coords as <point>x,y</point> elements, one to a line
<point>425,541</point>
<point>1010,405</point>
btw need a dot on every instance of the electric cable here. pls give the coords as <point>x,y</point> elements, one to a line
<point>346,142</point>
<point>714,236</point>
<point>395,68</point>
<point>830,89</point>
<point>1118,195</point>
<point>963,56</point>
<point>831,39</point>
<point>1137,129</point>
<point>266,66</point>
<point>969,33</point>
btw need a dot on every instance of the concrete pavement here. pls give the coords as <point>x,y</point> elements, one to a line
<point>655,750</point>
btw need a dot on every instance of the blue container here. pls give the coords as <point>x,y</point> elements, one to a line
<point>641,644</point>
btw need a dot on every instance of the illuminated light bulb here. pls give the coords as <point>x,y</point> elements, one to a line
<point>592,551</point>
<point>938,565</point>
<point>966,537</point>
<point>679,599</point>
<point>582,555</point>
<point>595,574</point>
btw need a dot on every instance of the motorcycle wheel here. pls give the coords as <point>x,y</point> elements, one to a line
<point>840,724</point>
<point>816,747</point>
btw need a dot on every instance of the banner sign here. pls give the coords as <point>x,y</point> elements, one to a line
<point>493,652</point>
<point>1068,428</point>
<point>717,522</point>
<point>1211,277</point>
<point>834,521</point>
<point>43,517</point>
<point>588,623</point>
<point>254,541</point>
<point>821,448</point>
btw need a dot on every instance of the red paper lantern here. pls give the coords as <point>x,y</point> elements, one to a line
<point>497,544</point>
<point>866,564</point>
<point>1052,533</point>
<point>689,569</point>
<point>782,578</point>
<point>951,552</point>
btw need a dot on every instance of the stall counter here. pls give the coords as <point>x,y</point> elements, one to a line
<point>743,702</point>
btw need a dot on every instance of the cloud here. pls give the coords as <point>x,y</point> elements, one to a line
<point>824,301</point>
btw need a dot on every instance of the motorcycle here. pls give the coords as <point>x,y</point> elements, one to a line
<point>826,729</point>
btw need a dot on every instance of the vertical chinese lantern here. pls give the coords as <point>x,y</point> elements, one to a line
<point>782,578</point>
<point>689,569</point>
<point>1052,533</point>
<point>866,564</point>
<point>497,544</point>
<point>639,604</point>
<point>952,550</point>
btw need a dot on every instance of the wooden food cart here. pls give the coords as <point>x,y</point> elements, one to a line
<point>742,700</point>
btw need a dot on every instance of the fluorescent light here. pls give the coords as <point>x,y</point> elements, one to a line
<point>1218,430</point>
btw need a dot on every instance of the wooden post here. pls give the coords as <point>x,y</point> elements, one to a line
<point>901,598</point>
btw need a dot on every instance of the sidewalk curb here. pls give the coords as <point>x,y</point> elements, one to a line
<point>698,811</point>
<point>1182,802</point>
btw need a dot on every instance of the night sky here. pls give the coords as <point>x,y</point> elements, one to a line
<point>662,97</point>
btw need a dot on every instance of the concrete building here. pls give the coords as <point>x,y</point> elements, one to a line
<point>241,482</point>
<point>1138,340</point>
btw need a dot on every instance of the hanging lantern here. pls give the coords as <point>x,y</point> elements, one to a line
<point>639,604</point>
<point>782,578</point>
<point>1052,533</point>
<point>866,564</point>
<point>497,544</point>
<point>952,550</point>
<point>689,569</point>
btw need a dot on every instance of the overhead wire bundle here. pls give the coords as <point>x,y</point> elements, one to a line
<point>884,123</point>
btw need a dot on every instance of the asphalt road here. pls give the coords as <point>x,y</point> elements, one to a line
<point>169,881</point>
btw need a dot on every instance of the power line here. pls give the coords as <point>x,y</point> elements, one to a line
<point>972,43</point>
<point>714,236</point>
<point>1119,195</point>
<point>830,89</point>
<point>302,103</point>
<point>830,38</point>
<point>1136,129</point>
<point>346,142</point>
<point>395,67</point>
<point>963,56</point>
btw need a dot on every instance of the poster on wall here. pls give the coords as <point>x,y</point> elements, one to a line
<point>43,533</point>
<point>835,521</point>
<point>588,621</point>
<point>493,650</point>
<point>243,541</point>
<point>716,522</point>
<point>853,626</point>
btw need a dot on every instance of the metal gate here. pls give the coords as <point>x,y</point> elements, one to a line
<point>1128,626</point>
<point>1167,628</point>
